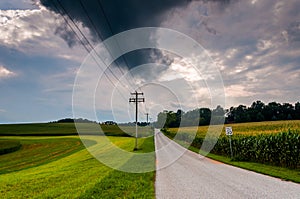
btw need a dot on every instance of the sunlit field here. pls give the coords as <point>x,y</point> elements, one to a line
<point>61,167</point>
<point>44,129</point>
<point>252,128</point>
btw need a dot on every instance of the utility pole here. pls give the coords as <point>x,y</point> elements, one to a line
<point>136,100</point>
<point>147,114</point>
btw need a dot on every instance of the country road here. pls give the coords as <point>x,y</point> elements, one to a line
<point>184,174</point>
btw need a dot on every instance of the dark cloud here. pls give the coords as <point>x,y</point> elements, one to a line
<point>65,33</point>
<point>252,41</point>
<point>105,18</point>
<point>293,31</point>
<point>108,17</point>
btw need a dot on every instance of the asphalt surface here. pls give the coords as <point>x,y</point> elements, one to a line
<point>185,174</point>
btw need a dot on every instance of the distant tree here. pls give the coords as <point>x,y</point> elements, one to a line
<point>188,118</point>
<point>258,105</point>
<point>242,114</point>
<point>66,120</point>
<point>297,111</point>
<point>179,115</point>
<point>161,119</point>
<point>260,117</point>
<point>218,115</point>
<point>287,111</point>
<point>142,123</point>
<point>272,111</point>
<point>218,111</point>
<point>171,119</point>
<point>205,116</point>
<point>230,115</point>
<point>257,112</point>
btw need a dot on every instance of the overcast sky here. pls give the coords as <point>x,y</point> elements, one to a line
<point>254,45</point>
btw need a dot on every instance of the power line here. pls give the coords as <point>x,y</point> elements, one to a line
<point>89,44</point>
<point>67,22</point>
<point>111,30</point>
<point>136,100</point>
<point>123,57</point>
<point>98,33</point>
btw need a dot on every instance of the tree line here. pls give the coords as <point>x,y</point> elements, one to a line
<point>71,120</point>
<point>257,112</point>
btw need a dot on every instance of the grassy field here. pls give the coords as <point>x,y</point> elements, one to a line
<point>8,146</point>
<point>250,135</point>
<point>46,129</point>
<point>38,151</point>
<point>61,167</point>
<point>38,129</point>
<point>279,172</point>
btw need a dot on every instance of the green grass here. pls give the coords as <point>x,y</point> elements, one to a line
<point>59,167</point>
<point>38,129</point>
<point>35,152</point>
<point>279,172</point>
<point>51,129</point>
<point>8,146</point>
<point>126,185</point>
<point>123,185</point>
<point>115,130</point>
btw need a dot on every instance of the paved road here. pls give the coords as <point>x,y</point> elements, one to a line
<point>194,176</point>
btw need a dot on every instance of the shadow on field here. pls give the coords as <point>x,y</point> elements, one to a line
<point>119,184</point>
<point>37,152</point>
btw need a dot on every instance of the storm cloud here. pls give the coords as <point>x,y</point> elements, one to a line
<point>251,41</point>
<point>255,44</point>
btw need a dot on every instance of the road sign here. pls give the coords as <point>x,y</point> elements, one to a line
<point>228,130</point>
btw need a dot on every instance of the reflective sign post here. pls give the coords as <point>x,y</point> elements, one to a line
<point>229,133</point>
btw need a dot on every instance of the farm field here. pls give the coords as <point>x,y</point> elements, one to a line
<point>252,128</point>
<point>46,129</point>
<point>7,146</point>
<point>271,148</point>
<point>61,167</point>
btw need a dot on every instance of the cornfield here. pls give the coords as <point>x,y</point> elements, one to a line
<point>280,149</point>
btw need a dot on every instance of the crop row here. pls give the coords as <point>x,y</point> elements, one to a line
<point>280,149</point>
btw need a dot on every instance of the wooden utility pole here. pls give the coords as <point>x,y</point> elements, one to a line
<point>136,100</point>
<point>147,114</point>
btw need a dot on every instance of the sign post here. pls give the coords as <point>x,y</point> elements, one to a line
<point>229,132</point>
